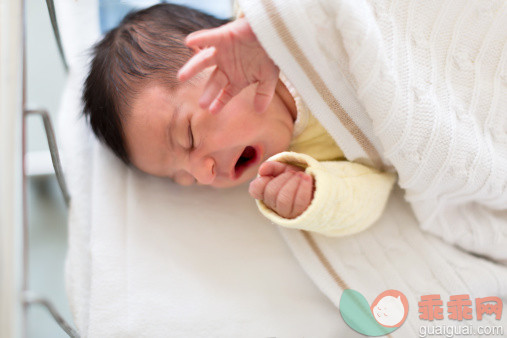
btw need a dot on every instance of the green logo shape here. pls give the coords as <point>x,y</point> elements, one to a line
<point>357,313</point>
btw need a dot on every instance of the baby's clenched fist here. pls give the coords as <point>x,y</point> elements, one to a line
<point>284,188</point>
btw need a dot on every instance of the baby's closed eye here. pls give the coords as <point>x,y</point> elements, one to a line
<point>190,136</point>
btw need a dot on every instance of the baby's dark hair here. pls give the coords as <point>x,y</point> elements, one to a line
<point>148,45</point>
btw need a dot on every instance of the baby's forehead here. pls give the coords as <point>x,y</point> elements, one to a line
<point>150,96</point>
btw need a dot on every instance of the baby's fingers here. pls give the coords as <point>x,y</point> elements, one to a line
<point>286,196</point>
<point>265,91</point>
<point>213,87</point>
<point>197,63</point>
<point>304,195</point>
<point>257,186</point>
<point>205,37</point>
<point>273,188</point>
<point>225,96</point>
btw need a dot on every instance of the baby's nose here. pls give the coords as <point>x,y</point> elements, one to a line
<point>205,172</point>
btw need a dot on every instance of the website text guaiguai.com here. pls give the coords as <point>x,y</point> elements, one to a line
<point>461,330</point>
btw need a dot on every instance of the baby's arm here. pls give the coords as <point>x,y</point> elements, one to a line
<point>346,198</point>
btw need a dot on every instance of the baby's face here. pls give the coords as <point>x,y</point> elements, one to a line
<point>168,134</point>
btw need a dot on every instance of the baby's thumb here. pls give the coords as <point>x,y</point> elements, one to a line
<point>257,186</point>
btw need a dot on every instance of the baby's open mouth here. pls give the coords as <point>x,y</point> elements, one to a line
<point>245,160</point>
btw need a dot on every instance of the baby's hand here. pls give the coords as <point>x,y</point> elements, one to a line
<point>240,61</point>
<point>284,188</point>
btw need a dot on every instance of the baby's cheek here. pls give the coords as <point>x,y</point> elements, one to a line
<point>184,178</point>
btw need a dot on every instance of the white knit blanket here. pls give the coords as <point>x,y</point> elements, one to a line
<point>416,84</point>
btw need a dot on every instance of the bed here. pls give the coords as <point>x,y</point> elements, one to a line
<point>149,258</point>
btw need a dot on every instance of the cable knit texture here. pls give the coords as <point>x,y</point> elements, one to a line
<point>348,197</point>
<point>425,82</point>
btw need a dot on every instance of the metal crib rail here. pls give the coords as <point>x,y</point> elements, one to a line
<point>56,31</point>
<point>53,148</point>
<point>28,297</point>
<point>32,298</point>
<point>14,294</point>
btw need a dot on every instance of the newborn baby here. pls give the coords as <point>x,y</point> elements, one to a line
<point>138,108</point>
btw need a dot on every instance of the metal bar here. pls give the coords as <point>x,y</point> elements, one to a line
<point>31,298</point>
<point>53,148</point>
<point>12,315</point>
<point>54,23</point>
